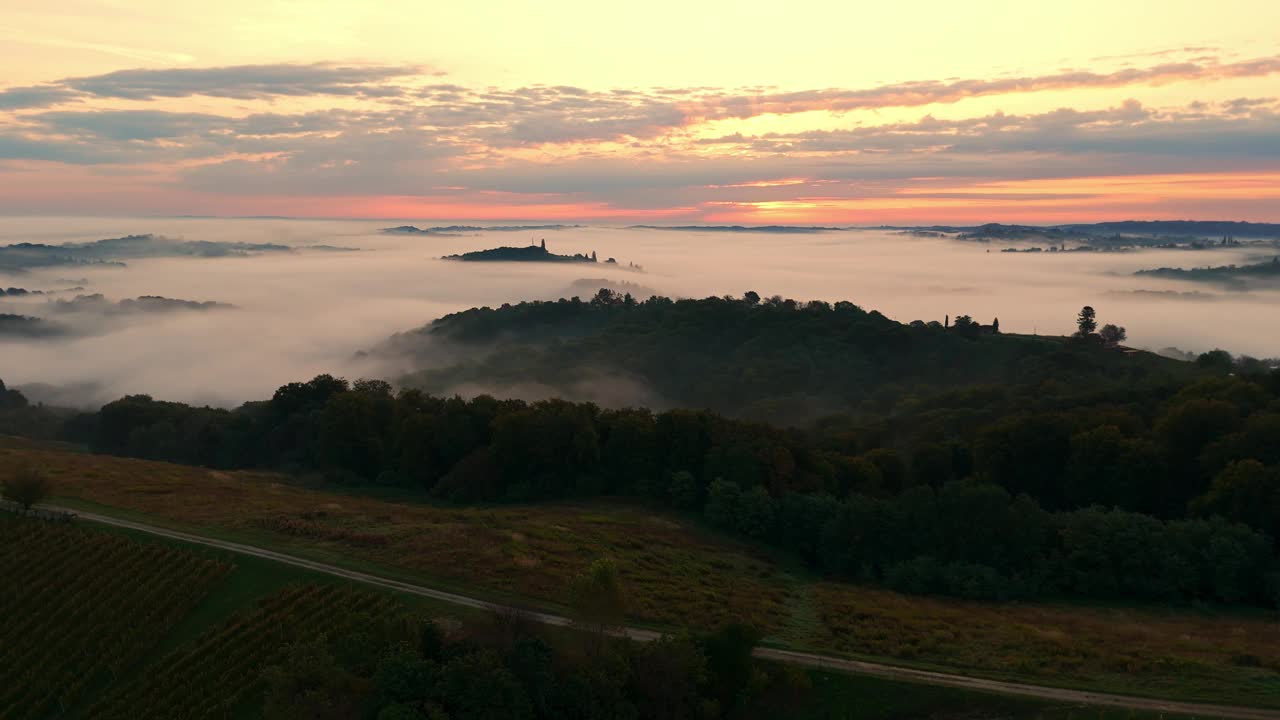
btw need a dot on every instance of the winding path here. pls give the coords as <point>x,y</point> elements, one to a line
<point>787,656</point>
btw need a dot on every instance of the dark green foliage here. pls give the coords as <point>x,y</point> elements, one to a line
<point>1086,322</point>
<point>1245,491</point>
<point>974,492</point>
<point>667,678</point>
<point>771,358</point>
<point>308,684</point>
<point>730,667</point>
<point>1115,554</point>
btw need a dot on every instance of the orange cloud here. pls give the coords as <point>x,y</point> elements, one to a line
<point>1247,196</point>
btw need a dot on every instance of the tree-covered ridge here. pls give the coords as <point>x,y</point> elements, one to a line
<point>770,358</point>
<point>1235,277</point>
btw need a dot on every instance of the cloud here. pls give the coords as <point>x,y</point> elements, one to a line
<point>19,98</point>
<point>391,162</point>
<point>629,148</point>
<point>912,94</point>
<point>1131,129</point>
<point>129,125</point>
<point>245,81</point>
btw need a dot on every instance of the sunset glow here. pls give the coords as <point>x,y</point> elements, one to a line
<point>714,113</point>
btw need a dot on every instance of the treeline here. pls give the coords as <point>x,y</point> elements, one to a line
<point>1164,491</point>
<point>751,357</point>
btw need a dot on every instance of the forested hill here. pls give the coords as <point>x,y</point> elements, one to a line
<point>774,358</point>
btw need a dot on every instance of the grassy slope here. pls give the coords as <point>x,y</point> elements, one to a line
<point>681,575</point>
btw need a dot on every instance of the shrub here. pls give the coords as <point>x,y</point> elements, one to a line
<point>26,486</point>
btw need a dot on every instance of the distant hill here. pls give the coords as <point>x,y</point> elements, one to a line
<point>784,229</point>
<point>20,257</point>
<point>146,303</point>
<point>21,326</point>
<point>767,359</point>
<point>526,253</point>
<point>446,230</point>
<point>587,287</point>
<point>1203,228</point>
<point>1232,277</point>
<point>1129,229</point>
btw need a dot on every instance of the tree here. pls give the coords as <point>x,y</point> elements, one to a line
<point>1219,360</point>
<point>26,486</point>
<point>729,662</point>
<point>965,326</point>
<point>308,684</point>
<point>1113,335</point>
<point>756,511</point>
<point>477,686</point>
<point>724,501</point>
<point>995,326</point>
<point>1086,322</point>
<point>666,676</point>
<point>1244,491</point>
<point>11,399</point>
<point>596,596</point>
<point>683,490</point>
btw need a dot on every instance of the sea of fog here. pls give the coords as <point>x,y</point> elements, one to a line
<point>307,312</point>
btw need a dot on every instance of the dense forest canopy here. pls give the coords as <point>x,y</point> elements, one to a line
<point>749,357</point>
<point>1096,475</point>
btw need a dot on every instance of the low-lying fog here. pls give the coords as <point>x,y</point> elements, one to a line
<point>302,313</point>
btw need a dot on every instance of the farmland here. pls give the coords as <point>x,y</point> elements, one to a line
<point>220,672</point>
<point>680,575</point>
<point>82,607</point>
<point>224,656</point>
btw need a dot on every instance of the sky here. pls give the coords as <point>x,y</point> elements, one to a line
<point>746,112</point>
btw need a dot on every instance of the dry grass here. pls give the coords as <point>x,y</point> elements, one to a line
<point>1146,651</point>
<point>674,575</point>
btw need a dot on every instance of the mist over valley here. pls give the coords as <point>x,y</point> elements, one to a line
<point>293,309</point>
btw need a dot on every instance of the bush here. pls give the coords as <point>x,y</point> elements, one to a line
<point>27,486</point>
<point>724,501</point>
<point>682,488</point>
<point>927,576</point>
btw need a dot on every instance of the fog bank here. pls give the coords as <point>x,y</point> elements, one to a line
<point>301,313</point>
